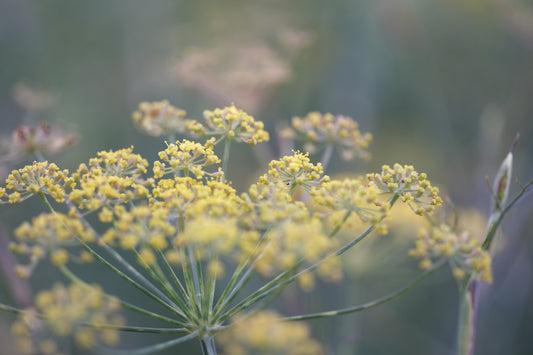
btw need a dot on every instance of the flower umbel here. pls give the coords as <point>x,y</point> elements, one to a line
<point>49,235</point>
<point>295,170</point>
<point>40,177</point>
<point>77,310</point>
<point>187,157</point>
<point>412,187</point>
<point>113,177</point>
<point>463,251</point>
<point>318,130</point>
<point>234,124</point>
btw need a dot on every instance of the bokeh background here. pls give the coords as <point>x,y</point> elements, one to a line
<point>442,85</point>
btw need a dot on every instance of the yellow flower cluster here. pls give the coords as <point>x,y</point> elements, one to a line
<point>353,195</point>
<point>269,204</point>
<point>63,312</point>
<point>113,177</point>
<point>186,156</point>
<point>288,243</point>
<point>122,162</point>
<point>212,238</point>
<point>161,118</point>
<point>318,130</point>
<point>188,198</point>
<point>265,333</point>
<point>295,170</point>
<point>412,187</point>
<point>49,235</point>
<point>141,227</point>
<point>234,124</point>
<point>40,177</point>
<point>465,252</point>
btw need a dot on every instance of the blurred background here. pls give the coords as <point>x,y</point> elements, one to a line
<point>442,85</point>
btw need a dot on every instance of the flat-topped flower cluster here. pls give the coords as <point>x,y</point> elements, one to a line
<point>198,239</point>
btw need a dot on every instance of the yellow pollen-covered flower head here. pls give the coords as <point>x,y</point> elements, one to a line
<point>50,235</point>
<point>187,157</point>
<point>40,177</point>
<point>112,178</point>
<point>317,130</point>
<point>234,124</point>
<point>65,312</point>
<point>294,170</point>
<point>410,186</point>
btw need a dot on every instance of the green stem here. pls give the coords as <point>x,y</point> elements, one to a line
<point>125,304</point>
<point>131,329</point>
<point>11,309</point>
<point>46,202</point>
<point>162,281</point>
<point>193,267</point>
<point>466,326</point>
<point>164,301</point>
<point>326,157</point>
<point>379,301</point>
<point>238,280</point>
<point>153,348</point>
<point>225,158</point>
<point>338,228</point>
<point>468,291</point>
<point>286,277</point>
<point>173,275</point>
<point>497,220</point>
<point>115,255</point>
<point>208,345</point>
<point>493,224</point>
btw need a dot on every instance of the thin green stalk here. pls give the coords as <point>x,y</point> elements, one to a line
<point>233,291</point>
<point>212,280</point>
<point>193,267</point>
<point>71,276</point>
<point>270,287</point>
<point>189,284</point>
<point>131,329</point>
<point>233,285</point>
<point>238,280</point>
<point>285,278</point>
<point>46,202</point>
<point>153,348</point>
<point>466,326</point>
<point>115,255</point>
<point>11,309</point>
<point>173,275</point>
<point>338,228</point>
<point>379,301</point>
<point>493,226</point>
<point>326,157</point>
<point>161,280</point>
<point>165,302</point>
<point>225,158</point>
